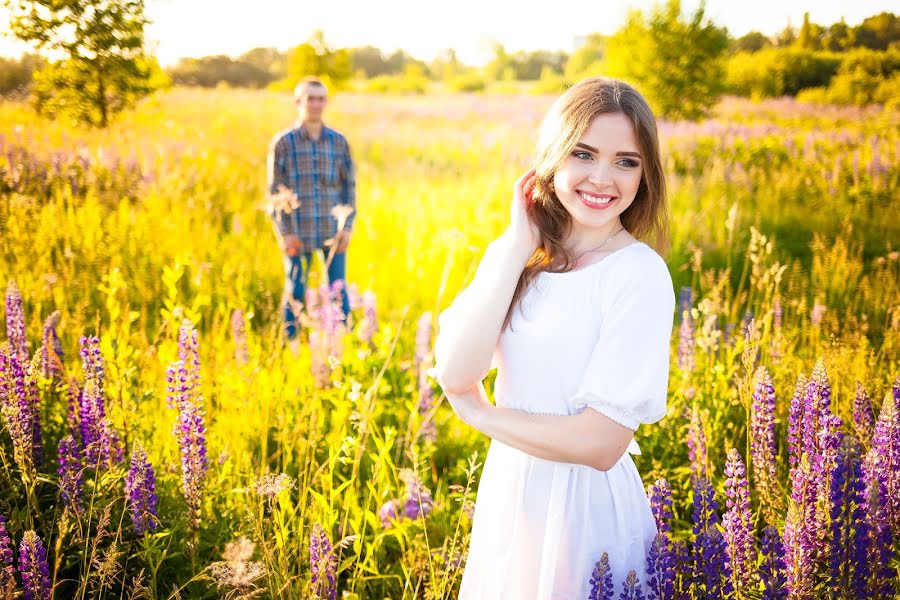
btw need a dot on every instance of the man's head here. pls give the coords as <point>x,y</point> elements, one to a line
<point>311,97</point>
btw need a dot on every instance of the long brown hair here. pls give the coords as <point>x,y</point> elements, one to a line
<point>563,126</point>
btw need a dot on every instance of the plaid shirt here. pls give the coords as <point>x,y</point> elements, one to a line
<point>321,174</point>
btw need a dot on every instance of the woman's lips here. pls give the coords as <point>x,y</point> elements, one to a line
<point>596,205</point>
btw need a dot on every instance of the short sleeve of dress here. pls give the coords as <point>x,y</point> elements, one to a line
<point>450,316</point>
<point>627,375</point>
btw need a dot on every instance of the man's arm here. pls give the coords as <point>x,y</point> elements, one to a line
<point>277,181</point>
<point>348,184</point>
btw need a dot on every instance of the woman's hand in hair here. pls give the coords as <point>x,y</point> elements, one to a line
<point>522,226</point>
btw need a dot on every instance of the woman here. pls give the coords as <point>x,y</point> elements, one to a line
<point>576,313</point>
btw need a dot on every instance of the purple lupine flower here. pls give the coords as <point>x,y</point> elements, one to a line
<point>777,313</point>
<point>51,348</point>
<point>33,568</point>
<point>184,394</point>
<point>712,571</point>
<point>880,540</point>
<point>69,470</point>
<point>631,589</point>
<point>239,333</point>
<point>696,443</point>
<point>369,325</point>
<point>738,525</point>
<point>15,323</point>
<point>818,312</point>
<point>353,297</point>
<point>389,511</point>
<point>816,403</point>
<point>661,504</point>
<point>661,558</point>
<point>7,570</point>
<point>19,407</point>
<point>771,568</point>
<point>795,422</point>
<point>881,474</point>
<point>849,534</point>
<point>322,564</point>
<point>705,505</point>
<point>863,417</point>
<point>98,436</point>
<point>799,531</point>
<point>601,580</point>
<point>140,489</point>
<point>686,342</point>
<point>418,497</point>
<point>763,451</point>
<point>684,570</point>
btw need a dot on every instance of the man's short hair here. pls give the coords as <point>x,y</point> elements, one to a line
<point>307,82</point>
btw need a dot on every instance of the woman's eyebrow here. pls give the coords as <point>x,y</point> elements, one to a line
<point>595,151</point>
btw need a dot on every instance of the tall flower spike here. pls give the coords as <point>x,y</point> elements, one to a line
<point>98,436</point>
<point>763,451</point>
<point>795,422</point>
<point>799,531</point>
<point>631,589</point>
<point>419,501</point>
<point>863,417</point>
<point>18,405</point>
<point>369,324</point>
<point>15,323</point>
<point>69,469</point>
<point>322,565</point>
<point>140,489</point>
<point>771,569</point>
<point>7,570</point>
<point>184,394</point>
<point>848,531</point>
<point>738,524</point>
<point>601,580</point>
<point>33,568</point>
<point>51,348</point>
<point>661,557</point>
<point>696,443</point>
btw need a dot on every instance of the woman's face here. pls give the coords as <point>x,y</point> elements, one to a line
<point>600,177</point>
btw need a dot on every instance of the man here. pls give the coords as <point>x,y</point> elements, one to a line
<point>311,167</point>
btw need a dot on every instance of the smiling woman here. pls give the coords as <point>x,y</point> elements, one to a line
<point>576,313</point>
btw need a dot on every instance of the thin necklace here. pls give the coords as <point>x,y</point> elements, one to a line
<point>601,245</point>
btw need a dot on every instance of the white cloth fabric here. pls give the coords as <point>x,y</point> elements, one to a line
<point>596,337</point>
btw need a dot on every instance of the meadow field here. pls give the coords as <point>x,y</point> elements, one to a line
<point>160,440</point>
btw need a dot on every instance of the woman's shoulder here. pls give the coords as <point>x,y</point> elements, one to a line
<point>640,267</point>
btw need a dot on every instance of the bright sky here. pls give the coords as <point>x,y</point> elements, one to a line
<point>205,27</point>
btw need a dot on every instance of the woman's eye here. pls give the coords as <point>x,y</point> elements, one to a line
<point>628,162</point>
<point>582,155</point>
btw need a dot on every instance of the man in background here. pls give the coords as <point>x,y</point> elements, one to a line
<point>312,182</point>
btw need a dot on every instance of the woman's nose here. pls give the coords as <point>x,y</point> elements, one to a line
<point>600,174</point>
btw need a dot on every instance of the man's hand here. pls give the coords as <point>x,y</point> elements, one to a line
<point>291,244</point>
<point>342,239</point>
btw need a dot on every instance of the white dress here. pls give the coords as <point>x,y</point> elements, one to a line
<point>598,337</point>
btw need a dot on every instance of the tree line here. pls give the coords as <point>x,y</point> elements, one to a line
<point>682,62</point>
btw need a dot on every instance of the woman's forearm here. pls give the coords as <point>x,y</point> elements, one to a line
<point>588,438</point>
<point>464,354</point>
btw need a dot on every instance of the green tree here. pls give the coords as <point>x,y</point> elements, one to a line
<point>316,58</point>
<point>838,36</point>
<point>677,64</point>
<point>810,36</point>
<point>102,67</point>
<point>879,31</point>
<point>586,59</point>
<point>750,42</point>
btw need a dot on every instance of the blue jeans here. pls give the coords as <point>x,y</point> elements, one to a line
<point>295,284</point>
